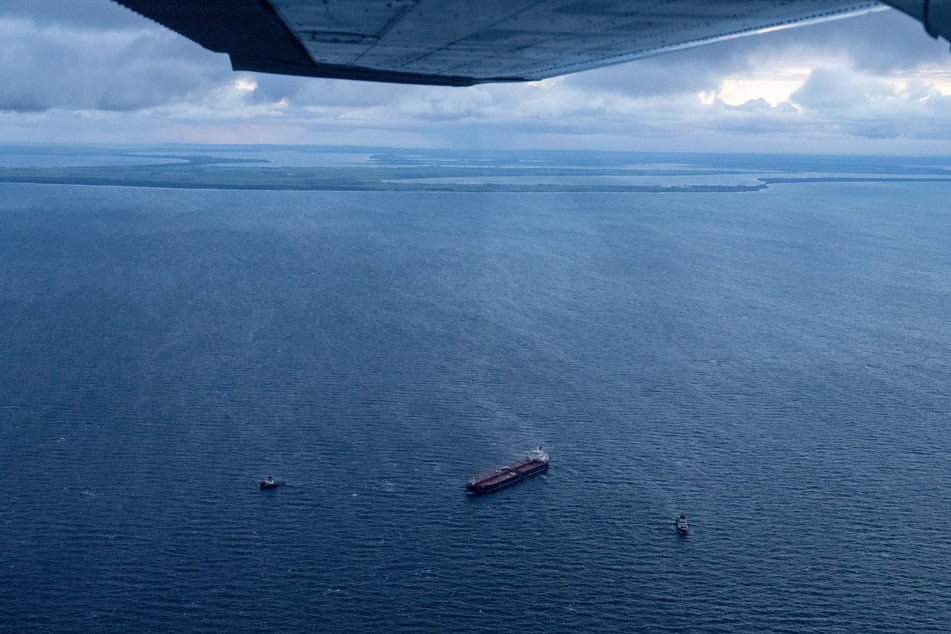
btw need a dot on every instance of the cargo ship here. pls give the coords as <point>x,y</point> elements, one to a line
<point>511,474</point>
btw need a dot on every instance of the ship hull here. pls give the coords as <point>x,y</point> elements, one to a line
<point>506,477</point>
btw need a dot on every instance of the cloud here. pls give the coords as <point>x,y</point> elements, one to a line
<point>96,55</point>
<point>874,107</point>
<point>882,42</point>
<point>752,105</point>
<point>689,71</point>
<point>837,89</point>
<point>97,15</point>
<point>877,43</point>
<point>90,69</point>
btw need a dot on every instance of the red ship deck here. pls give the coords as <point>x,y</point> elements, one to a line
<point>510,471</point>
<point>510,474</point>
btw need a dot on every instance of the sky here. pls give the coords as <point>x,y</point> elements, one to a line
<point>80,71</point>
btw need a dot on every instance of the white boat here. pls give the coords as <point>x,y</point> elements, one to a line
<point>270,483</point>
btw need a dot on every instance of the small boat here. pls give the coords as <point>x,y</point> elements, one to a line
<point>681,524</point>
<point>270,483</point>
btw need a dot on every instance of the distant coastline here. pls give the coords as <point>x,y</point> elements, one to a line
<point>437,171</point>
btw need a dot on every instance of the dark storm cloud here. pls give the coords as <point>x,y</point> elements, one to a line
<point>86,14</point>
<point>93,69</point>
<point>837,90</point>
<point>325,92</point>
<point>751,106</point>
<point>881,42</point>
<point>886,41</point>
<point>873,108</point>
<point>688,71</point>
<point>95,55</point>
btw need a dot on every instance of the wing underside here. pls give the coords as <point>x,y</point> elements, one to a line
<point>461,42</point>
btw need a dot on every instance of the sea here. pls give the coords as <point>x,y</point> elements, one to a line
<point>771,358</point>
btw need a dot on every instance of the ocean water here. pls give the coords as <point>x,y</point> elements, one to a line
<point>774,364</point>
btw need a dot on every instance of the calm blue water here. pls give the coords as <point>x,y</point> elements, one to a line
<point>773,364</point>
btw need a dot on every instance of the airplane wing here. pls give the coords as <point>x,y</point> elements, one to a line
<point>465,42</point>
